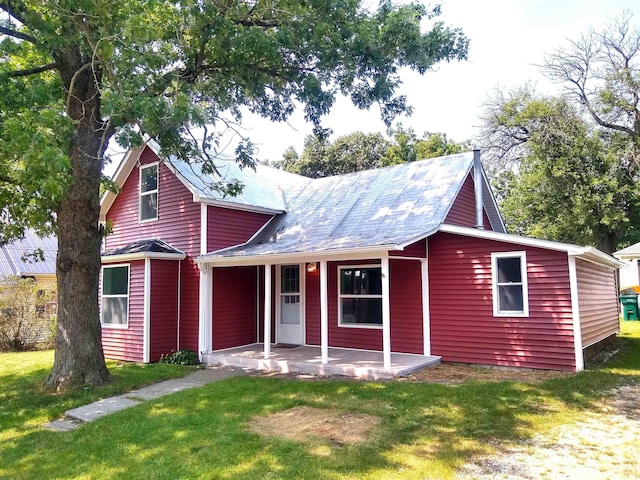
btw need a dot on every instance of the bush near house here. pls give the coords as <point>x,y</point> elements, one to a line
<point>27,319</point>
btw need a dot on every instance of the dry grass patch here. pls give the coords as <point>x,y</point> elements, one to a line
<point>451,374</point>
<point>302,423</point>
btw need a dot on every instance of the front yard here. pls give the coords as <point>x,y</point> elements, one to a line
<point>226,430</point>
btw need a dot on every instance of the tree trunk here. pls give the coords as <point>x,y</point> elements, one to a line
<point>79,359</point>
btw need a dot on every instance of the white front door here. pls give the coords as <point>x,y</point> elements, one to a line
<point>290,318</point>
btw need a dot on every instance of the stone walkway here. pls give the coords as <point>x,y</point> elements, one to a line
<point>87,413</point>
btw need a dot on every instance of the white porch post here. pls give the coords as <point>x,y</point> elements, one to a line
<point>324,314</point>
<point>205,304</point>
<point>575,310</point>
<point>386,313</point>
<point>426,323</point>
<point>146,334</point>
<point>267,311</point>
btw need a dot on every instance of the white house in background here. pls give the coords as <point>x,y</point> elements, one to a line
<point>630,274</point>
<point>17,258</point>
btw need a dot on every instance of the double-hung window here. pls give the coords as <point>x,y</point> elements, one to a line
<point>115,296</point>
<point>509,278</point>
<point>149,192</point>
<point>360,297</point>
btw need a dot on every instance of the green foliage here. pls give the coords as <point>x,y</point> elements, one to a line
<point>180,357</point>
<point>407,147</point>
<point>163,67</point>
<point>25,320</point>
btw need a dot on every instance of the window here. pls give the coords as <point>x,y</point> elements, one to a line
<point>115,296</point>
<point>149,192</point>
<point>360,298</point>
<point>509,277</point>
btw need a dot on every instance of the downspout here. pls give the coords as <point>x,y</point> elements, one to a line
<point>477,181</point>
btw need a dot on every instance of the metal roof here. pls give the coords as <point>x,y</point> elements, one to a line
<point>373,208</point>
<point>16,258</point>
<point>263,188</point>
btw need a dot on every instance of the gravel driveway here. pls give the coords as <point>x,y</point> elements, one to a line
<point>604,444</point>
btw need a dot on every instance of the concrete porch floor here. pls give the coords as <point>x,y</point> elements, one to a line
<point>305,359</point>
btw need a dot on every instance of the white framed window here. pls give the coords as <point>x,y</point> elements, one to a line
<point>149,192</point>
<point>360,296</point>
<point>509,281</point>
<point>114,308</point>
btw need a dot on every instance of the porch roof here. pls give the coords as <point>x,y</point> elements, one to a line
<point>372,210</point>
<point>149,248</point>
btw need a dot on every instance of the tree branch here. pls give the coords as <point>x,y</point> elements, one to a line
<point>18,35</point>
<point>31,71</point>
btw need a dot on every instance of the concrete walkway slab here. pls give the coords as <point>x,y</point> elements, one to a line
<point>99,409</point>
<point>87,413</point>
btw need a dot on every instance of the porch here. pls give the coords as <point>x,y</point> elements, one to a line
<point>308,360</point>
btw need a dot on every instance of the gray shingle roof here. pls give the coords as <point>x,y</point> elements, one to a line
<point>16,257</point>
<point>144,246</point>
<point>372,208</point>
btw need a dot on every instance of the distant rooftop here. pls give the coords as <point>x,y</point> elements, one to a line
<point>17,257</point>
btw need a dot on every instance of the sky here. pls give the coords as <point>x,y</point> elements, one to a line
<point>508,41</point>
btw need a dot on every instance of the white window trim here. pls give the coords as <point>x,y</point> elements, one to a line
<point>127,296</point>
<point>525,285</point>
<point>341,296</point>
<point>150,192</point>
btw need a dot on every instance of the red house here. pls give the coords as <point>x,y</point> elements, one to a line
<point>388,270</point>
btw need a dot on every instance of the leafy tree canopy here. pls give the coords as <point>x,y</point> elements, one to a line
<point>571,182</point>
<point>75,73</point>
<point>359,151</point>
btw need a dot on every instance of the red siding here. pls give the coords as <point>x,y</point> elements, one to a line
<point>178,224</point>
<point>405,305</point>
<point>126,344</point>
<point>463,328</point>
<point>312,307</point>
<point>463,210</point>
<point>417,250</point>
<point>405,299</point>
<point>598,302</point>
<point>363,338</point>
<point>234,307</point>
<point>227,227</point>
<point>163,308</point>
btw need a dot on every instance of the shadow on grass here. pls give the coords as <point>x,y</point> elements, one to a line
<point>427,430</point>
<point>202,432</point>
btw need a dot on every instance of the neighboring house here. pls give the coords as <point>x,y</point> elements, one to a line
<point>411,259</point>
<point>630,272</point>
<point>17,258</point>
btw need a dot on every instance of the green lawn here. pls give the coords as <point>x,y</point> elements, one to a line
<point>426,430</point>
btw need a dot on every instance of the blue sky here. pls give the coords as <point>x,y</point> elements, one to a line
<point>509,38</point>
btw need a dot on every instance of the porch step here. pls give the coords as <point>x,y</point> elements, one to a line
<point>307,360</point>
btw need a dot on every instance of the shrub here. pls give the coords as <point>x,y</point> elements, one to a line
<point>180,357</point>
<point>24,317</point>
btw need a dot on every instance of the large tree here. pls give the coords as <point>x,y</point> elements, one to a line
<point>569,165</point>
<point>76,73</point>
<point>601,73</point>
<point>557,176</point>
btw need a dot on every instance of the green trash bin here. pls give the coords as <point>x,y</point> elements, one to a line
<point>629,307</point>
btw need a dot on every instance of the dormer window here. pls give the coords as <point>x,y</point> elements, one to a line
<point>149,192</point>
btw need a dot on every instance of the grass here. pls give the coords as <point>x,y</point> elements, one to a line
<point>426,430</point>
